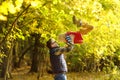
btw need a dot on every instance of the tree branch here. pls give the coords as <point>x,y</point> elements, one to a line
<point>9,31</point>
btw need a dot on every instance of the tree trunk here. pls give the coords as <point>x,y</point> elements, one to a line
<point>15,54</point>
<point>35,54</point>
<point>7,63</point>
<point>42,62</point>
<point>23,53</point>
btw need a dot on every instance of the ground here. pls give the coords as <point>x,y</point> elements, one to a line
<point>22,74</point>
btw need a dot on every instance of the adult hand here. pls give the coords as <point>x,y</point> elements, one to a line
<point>68,40</point>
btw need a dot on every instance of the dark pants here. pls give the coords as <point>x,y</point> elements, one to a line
<point>60,76</point>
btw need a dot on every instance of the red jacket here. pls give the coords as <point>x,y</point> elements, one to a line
<point>77,36</point>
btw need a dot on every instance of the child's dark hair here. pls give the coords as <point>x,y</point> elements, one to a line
<point>49,43</point>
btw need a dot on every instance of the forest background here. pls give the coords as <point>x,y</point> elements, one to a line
<point>26,25</point>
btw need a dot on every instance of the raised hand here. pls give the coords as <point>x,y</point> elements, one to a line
<point>68,40</point>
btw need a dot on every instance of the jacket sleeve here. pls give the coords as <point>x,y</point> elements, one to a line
<point>62,50</point>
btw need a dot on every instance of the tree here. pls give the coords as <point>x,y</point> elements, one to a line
<point>31,23</point>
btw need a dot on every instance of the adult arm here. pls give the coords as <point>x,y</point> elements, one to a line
<point>69,47</point>
<point>62,50</point>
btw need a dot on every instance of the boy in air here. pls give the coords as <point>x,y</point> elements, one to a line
<point>77,36</point>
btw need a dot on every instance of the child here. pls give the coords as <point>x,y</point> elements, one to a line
<point>77,36</point>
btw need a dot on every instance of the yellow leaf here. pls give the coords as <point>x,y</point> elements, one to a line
<point>71,12</point>
<point>3,8</point>
<point>3,18</point>
<point>34,3</point>
<point>18,3</point>
<point>11,8</point>
<point>43,35</point>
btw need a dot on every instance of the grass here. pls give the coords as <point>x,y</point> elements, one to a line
<point>22,74</point>
<point>71,76</point>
